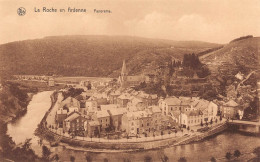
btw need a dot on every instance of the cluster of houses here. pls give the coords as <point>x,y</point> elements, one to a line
<point>129,111</point>
<point>136,112</point>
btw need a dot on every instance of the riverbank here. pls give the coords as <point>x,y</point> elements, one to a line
<point>14,99</point>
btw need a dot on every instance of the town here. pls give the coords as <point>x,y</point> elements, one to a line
<point>114,109</point>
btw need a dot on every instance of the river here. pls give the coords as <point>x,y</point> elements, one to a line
<point>216,146</point>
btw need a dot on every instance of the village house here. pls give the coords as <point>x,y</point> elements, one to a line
<point>103,118</point>
<point>70,102</point>
<point>231,110</point>
<point>191,118</point>
<point>91,106</point>
<point>100,98</point>
<point>112,97</point>
<point>123,99</point>
<point>135,104</point>
<point>138,122</point>
<point>74,123</point>
<point>156,115</point>
<point>185,104</point>
<point>116,117</point>
<point>148,99</point>
<point>73,109</point>
<point>92,128</point>
<point>60,116</point>
<point>170,104</point>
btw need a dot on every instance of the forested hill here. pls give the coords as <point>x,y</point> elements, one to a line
<point>91,55</point>
<point>241,54</point>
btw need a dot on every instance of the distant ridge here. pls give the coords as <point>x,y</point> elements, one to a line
<point>91,55</point>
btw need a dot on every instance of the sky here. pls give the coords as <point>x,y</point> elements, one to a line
<point>216,21</point>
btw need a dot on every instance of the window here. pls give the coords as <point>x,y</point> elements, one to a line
<point>101,121</point>
<point>142,125</point>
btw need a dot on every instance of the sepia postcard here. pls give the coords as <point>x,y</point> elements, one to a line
<point>129,80</point>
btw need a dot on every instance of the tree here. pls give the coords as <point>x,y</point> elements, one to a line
<point>237,153</point>
<point>182,159</point>
<point>213,159</point>
<point>228,155</point>
<point>147,159</point>
<point>46,152</point>
<point>72,158</point>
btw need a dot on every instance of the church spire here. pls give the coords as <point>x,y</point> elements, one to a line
<point>123,72</point>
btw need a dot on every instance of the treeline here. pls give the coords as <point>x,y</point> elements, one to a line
<point>241,38</point>
<point>208,51</point>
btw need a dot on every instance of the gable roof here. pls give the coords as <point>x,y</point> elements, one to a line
<point>172,101</point>
<point>102,114</point>
<point>117,111</point>
<point>72,117</point>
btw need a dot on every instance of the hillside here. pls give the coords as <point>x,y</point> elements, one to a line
<point>91,55</point>
<point>241,55</point>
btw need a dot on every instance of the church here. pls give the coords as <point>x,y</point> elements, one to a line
<point>126,80</point>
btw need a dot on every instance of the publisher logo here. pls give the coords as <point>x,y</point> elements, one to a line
<point>21,11</point>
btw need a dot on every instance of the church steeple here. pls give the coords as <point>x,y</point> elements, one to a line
<point>124,71</point>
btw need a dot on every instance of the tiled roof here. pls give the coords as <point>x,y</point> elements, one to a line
<point>172,101</point>
<point>102,114</point>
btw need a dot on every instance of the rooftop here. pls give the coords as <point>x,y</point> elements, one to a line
<point>172,101</point>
